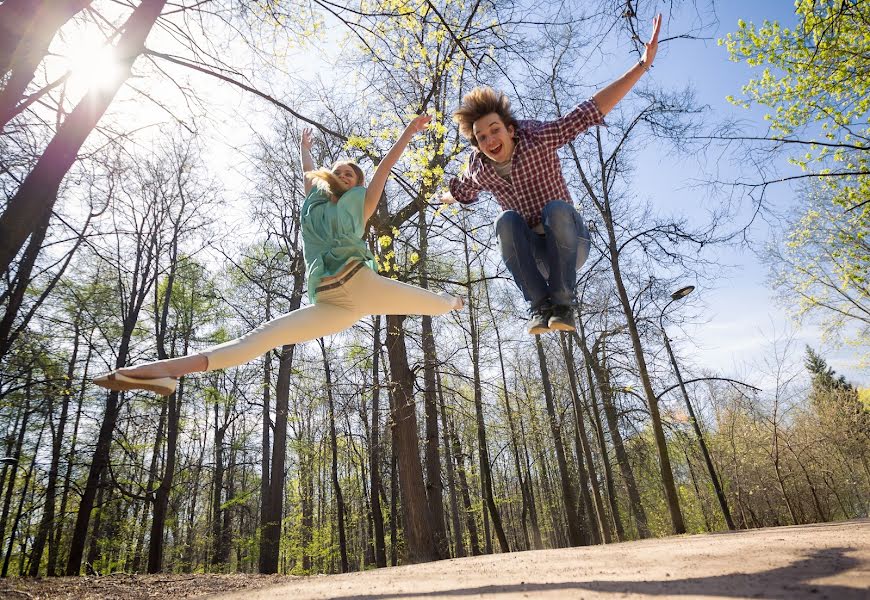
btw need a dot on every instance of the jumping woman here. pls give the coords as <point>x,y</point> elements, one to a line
<point>343,284</point>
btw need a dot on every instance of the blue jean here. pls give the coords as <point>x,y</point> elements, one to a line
<point>545,266</point>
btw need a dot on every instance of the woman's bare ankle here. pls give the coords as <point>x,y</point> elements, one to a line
<point>172,367</point>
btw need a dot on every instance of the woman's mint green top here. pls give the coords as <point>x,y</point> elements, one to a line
<point>332,234</point>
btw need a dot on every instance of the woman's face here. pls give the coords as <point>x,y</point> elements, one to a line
<point>347,176</point>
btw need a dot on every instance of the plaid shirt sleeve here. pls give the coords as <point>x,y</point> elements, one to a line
<point>559,132</point>
<point>465,187</point>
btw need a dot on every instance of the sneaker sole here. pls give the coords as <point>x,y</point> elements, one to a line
<point>538,330</point>
<point>562,327</point>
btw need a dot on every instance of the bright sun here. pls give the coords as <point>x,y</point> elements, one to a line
<point>93,66</point>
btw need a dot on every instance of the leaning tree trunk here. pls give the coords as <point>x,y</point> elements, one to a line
<point>37,194</point>
<point>27,28</point>
<point>667,473</point>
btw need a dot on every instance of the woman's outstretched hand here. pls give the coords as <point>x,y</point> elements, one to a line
<point>307,139</point>
<point>418,124</point>
<point>649,53</point>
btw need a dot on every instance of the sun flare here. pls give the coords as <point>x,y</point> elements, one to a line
<point>93,66</point>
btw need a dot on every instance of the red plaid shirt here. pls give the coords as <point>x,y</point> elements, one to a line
<point>536,173</point>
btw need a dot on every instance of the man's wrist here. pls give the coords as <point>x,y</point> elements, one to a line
<point>644,65</point>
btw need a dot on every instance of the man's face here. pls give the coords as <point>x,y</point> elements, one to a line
<point>494,139</point>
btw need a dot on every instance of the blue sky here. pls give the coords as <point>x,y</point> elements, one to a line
<point>741,317</point>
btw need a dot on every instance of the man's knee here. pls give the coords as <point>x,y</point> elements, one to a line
<point>559,217</point>
<point>507,226</point>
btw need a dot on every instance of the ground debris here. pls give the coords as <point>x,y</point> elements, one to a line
<point>132,587</point>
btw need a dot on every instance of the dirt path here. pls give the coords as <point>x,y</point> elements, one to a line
<point>812,561</point>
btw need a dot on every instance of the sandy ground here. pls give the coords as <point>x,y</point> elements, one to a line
<point>826,561</point>
<point>812,561</point>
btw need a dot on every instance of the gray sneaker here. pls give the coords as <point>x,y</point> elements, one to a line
<point>538,320</point>
<point>562,318</point>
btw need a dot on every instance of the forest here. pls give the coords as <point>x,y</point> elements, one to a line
<point>151,208</point>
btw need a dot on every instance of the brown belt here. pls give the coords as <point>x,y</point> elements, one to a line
<point>342,279</point>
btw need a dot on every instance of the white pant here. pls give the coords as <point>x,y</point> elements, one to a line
<point>340,304</point>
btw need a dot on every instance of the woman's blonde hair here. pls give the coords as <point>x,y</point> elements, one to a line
<point>326,181</point>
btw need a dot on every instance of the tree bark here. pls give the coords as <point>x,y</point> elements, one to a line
<point>420,544</point>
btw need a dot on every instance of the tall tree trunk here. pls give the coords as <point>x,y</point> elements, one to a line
<point>394,505</point>
<point>161,496</point>
<point>19,444</point>
<point>265,446</point>
<point>333,442</point>
<point>419,541</point>
<point>482,447</point>
<point>48,511</point>
<point>37,194</point>
<point>599,434</point>
<point>152,477</point>
<point>667,473</point>
<point>510,417</point>
<point>375,451</point>
<point>610,415</point>
<point>94,549</point>
<point>13,531</point>
<point>714,478</point>
<point>306,478</point>
<point>576,535</point>
<point>587,474</point>
<point>530,493</point>
<point>98,464</point>
<point>54,547</point>
<point>271,533</point>
<point>458,540</point>
<point>434,485</point>
<point>217,552</point>
<point>470,521</point>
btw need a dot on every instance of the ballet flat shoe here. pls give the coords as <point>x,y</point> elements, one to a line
<point>118,382</point>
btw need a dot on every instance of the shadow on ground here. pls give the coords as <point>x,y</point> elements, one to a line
<point>784,583</point>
